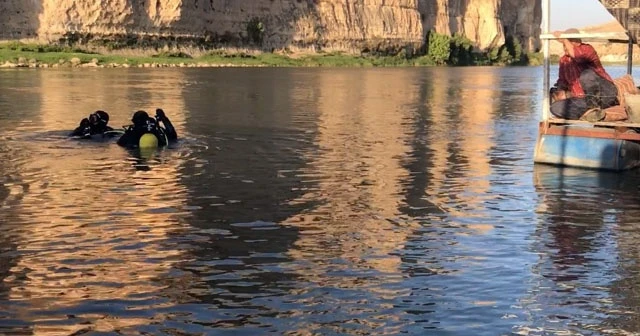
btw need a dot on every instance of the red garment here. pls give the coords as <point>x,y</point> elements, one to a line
<point>585,57</point>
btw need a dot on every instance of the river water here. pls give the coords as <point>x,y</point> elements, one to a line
<point>306,202</point>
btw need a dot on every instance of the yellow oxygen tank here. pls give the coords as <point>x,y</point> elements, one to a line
<point>148,140</point>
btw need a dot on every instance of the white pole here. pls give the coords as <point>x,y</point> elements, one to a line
<point>546,19</point>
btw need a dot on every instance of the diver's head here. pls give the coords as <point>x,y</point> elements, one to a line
<point>99,118</point>
<point>140,118</point>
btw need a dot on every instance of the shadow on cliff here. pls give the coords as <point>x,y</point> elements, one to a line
<point>429,11</point>
<point>248,26</point>
<point>461,6</point>
<point>20,19</point>
<point>263,26</point>
<point>141,13</point>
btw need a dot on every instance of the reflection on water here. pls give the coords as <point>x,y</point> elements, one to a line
<point>305,202</point>
<point>588,226</point>
<point>87,227</point>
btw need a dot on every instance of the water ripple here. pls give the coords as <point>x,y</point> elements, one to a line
<point>305,202</point>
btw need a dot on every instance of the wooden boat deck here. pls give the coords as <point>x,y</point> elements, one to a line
<point>599,123</point>
<point>601,129</point>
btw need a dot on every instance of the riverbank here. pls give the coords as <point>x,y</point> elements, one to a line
<point>17,55</point>
<point>20,55</point>
<point>14,55</point>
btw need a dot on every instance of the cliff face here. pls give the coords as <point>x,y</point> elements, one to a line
<point>522,19</point>
<point>349,25</point>
<point>486,22</point>
<point>19,19</point>
<point>476,19</point>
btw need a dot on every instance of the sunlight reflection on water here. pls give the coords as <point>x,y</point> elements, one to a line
<point>305,201</point>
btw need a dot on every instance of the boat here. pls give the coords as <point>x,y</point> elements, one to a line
<point>606,145</point>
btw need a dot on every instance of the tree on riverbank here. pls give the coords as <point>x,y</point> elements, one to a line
<point>458,50</point>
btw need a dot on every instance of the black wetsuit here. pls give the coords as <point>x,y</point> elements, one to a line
<point>87,129</point>
<point>165,135</point>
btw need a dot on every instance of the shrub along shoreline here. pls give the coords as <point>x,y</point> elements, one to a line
<point>438,50</point>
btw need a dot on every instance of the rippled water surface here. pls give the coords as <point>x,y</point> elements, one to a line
<point>306,202</point>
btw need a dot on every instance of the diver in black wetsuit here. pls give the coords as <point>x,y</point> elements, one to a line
<point>96,124</point>
<point>143,124</point>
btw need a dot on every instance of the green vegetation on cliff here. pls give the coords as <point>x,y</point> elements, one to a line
<point>438,50</point>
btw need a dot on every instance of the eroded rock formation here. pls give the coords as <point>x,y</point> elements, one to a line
<point>348,25</point>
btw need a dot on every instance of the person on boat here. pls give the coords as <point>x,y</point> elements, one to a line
<point>95,124</point>
<point>584,84</point>
<point>144,125</point>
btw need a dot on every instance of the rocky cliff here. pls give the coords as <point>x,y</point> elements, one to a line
<point>348,25</point>
<point>486,22</point>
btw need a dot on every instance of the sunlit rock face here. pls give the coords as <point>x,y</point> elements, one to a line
<point>309,25</point>
<point>485,22</point>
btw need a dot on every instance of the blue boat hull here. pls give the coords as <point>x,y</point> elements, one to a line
<point>587,152</point>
